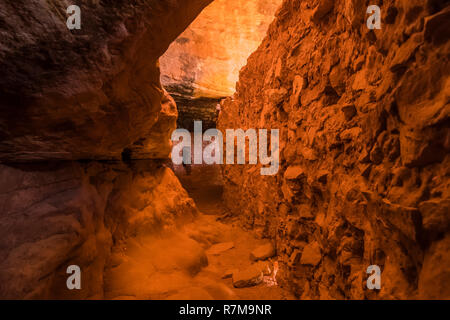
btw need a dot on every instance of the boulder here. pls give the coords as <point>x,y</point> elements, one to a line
<point>294,173</point>
<point>249,277</point>
<point>311,254</point>
<point>263,252</point>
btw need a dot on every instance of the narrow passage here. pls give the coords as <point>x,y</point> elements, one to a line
<point>209,258</point>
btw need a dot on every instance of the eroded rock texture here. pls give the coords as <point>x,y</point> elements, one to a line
<point>89,93</point>
<point>202,65</point>
<point>364,122</point>
<point>69,213</point>
<point>364,178</point>
<point>204,61</point>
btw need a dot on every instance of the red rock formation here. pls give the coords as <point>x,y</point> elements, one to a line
<point>365,139</point>
<point>89,93</point>
<point>204,61</point>
<point>364,122</point>
<point>56,215</point>
<point>202,65</point>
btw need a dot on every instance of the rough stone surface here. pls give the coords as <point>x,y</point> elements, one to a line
<point>204,61</point>
<point>91,93</point>
<point>202,65</point>
<point>55,215</point>
<point>435,216</point>
<point>364,147</point>
<point>249,277</point>
<point>435,274</point>
<point>311,254</point>
<point>263,252</point>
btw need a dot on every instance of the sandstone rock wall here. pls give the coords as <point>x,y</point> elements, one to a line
<point>364,122</point>
<point>204,61</point>
<point>69,213</point>
<point>89,93</point>
<point>202,65</point>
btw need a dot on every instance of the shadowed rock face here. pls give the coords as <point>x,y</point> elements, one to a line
<point>364,122</point>
<point>89,93</point>
<point>58,214</point>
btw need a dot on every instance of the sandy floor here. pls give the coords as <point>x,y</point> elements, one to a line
<point>181,265</point>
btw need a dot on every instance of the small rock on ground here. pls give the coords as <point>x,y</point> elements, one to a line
<point>220,247</point>
<point>263,252</point>
<point>249,277</point>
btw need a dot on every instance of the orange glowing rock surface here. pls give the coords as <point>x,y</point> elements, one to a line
<point>205,60</point>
